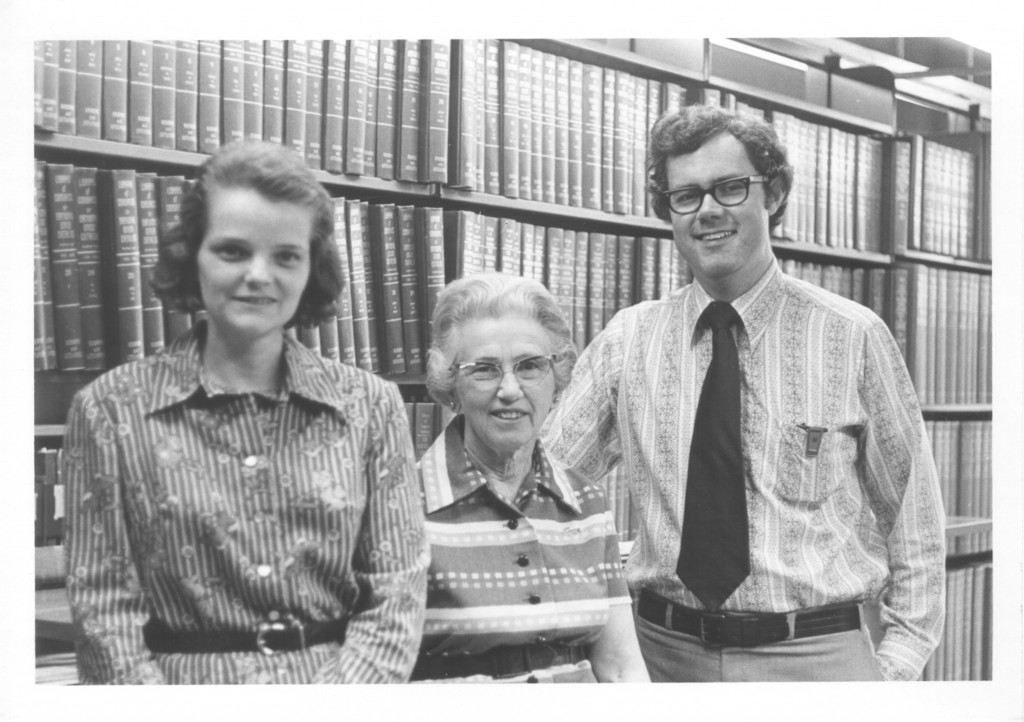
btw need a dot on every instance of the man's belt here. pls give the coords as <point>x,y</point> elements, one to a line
<point>284,634</point>
<point>746,629</point>
<point>507,661</point>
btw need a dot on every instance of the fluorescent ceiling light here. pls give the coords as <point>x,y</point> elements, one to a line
<point>758,53</point>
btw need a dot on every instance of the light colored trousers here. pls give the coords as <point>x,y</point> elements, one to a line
<point>676,657</point>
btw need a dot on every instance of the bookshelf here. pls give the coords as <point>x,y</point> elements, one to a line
<point>421,126</point>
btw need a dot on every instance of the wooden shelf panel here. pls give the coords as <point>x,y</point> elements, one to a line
<point>939,412</point>
<point>589,51</point>
<point>828,253</point>
<point>937,259</point>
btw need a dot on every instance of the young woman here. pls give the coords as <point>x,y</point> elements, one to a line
<point>243,510</point>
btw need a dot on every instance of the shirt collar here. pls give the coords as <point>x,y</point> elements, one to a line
<point>465,479</point>
<point>305,374</point>
<point>754,307</point>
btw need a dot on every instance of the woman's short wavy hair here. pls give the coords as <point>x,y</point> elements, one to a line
<point>678,133</point>
<point>281,176</point>
<point>493,295</point>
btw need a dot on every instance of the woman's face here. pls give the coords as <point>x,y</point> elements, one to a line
<point>253,262</point>
<point>503,416</point>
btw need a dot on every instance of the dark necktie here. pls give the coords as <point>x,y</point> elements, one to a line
<point>714,553</point>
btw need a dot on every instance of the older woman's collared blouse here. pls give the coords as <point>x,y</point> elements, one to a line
<point>212,510</point>
<point>544,567</point>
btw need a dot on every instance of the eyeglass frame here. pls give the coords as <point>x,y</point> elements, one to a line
<point>746,180</point>
<point>525,383</point>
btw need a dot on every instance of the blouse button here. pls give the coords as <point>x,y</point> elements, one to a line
<point>532,680</point>
<point>264,570</point>
<point>513,523</point>
<point>523,560</point>
<point>250,461</point>
<point>533,599</point>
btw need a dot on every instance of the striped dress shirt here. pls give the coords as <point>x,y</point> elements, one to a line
<point>213,511</point>
<point>859,519</point>
<point>543,567</point>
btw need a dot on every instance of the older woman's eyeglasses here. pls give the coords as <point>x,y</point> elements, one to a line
<point>730,192</point>
<point>528,371</point>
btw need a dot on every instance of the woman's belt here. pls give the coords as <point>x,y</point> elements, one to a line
<point>283,634</point>
<point>506,661</point>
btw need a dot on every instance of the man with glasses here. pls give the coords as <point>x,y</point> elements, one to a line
<point>773,440</point>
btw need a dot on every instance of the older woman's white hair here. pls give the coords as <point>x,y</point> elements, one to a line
<point>493,295</point>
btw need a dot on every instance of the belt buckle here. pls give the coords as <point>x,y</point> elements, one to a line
<point>720,618</point>
<point>282,625</point>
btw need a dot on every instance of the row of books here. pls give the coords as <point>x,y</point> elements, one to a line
<point>49,498</point>
<point>365,107</point>
<point>965,650</point>
<point>963,459</point>
<point>427,420</point>
<point>949,334</point>
<point>836,199</point>
<point>540,126</point>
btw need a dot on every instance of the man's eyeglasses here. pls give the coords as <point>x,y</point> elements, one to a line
<point>730,192</point>
<point>528,371</point>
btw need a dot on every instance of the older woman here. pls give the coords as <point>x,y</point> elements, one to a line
<point>524,582</point>
<point>242,509</point>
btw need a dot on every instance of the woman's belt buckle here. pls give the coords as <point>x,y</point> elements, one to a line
<point>284,624</point>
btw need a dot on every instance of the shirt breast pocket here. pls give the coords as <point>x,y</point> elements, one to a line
<point>815,459</point>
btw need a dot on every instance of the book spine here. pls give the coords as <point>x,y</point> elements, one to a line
<point>60,223</point>
<point>626,280</point>
<point>186,95</point>
<point>355,119</point>
<point>88,88</point>
<point>407,163</point>
<point>622,143</point>
<point>121,265</point>
<point>252,90</point>
<point>372,273</point>
<point>654,102</point>
<point>509,119</point>
<point>336,56</point>
<point>360,319</point>
<point>648,272</point>
<point>309,336</point>
<point>387,91</point>
<point>490,242</point>
<point>296,57</point>
<point>611,273</point>
<point>525,142</point>
<point>596,284</point>
<point>90,291</point>
<point>329,341</point>
<point>273,91</point>
<point>561,115</point>
<point>536,125</point>
<point>436,59</point>
<point>169,193</point>
<point>549,110</point>
<point>639,138</point>
<point>384,227</point>
<point>430,232</point>
<point>609,78</point>
<point>592,125</point>
<point>49,81</point>
<point>209,96</point>
<point>372,79</point>
<point>581,293</point>
<point>314,135</point>
<point>164,70</point>
<point>149,251</point>
<point>43,323</point>
<point>346,333</point>
<point>492,117</point>
<point>67,86</point>
<point>140,92</point>
<point>463,151</point>
<point>408,265</point>
<point>38,67</point>
<point>509,247</point>
<point>480,115</point>
<point>575,134</point>
<point>232,90</point>
<point>528,250</point>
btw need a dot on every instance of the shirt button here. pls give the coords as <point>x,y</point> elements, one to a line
<point>532,680</point>
<point>523,560</point>
<point>250,461</point>
<point>264,570</point>
<point>513,523</point>
<point>533,599</point>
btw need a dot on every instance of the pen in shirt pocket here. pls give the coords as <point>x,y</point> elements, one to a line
<point>812,442</point>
